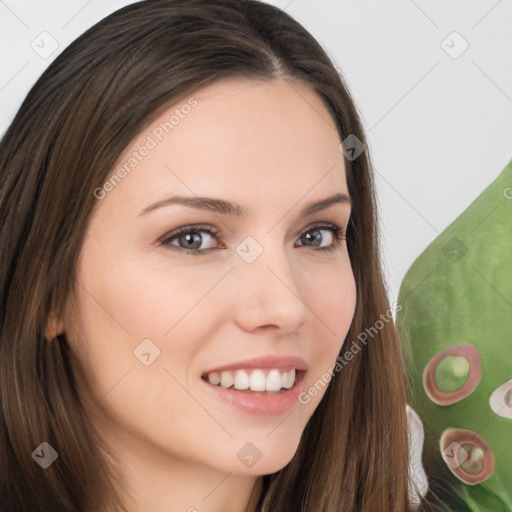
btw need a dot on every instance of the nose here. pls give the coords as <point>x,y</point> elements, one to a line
<point>270,293</point>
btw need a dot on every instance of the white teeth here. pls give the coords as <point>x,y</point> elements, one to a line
<point>241,380</point>
<point>214,378</point>
<point>255,380</point>
<point>290,381</point>
<point>226,379</point>
<point>273,381</point>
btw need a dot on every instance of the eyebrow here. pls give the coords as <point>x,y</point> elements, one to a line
<point>227,208</point>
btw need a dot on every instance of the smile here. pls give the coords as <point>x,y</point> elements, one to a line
<point>259,403</point>
<point>253,379</point>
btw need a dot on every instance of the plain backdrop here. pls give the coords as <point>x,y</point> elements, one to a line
<point>432,80</point>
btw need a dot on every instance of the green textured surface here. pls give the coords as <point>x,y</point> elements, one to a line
<point>459,290</point>
<point>451,373</point>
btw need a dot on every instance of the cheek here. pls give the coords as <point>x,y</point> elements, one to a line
<point>141,298</point>
<point>331,295</point>
<point>122,307</point>
<point>144,296</point>
<point>333,303</point>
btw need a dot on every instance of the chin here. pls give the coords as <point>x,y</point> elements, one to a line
<point>269,459</point>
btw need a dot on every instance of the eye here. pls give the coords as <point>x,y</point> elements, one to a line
<point>191,238</point>
<point>313,235</point>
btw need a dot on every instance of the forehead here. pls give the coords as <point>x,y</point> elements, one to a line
<point>268,139</point>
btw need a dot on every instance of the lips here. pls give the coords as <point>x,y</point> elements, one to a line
<point>261,403</point>
<point>264,362</point>
<point>267,385</point>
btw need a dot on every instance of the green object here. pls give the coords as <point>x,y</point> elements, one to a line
<point>451,373</point>
<point>474,463</point>
<point>459,291</point>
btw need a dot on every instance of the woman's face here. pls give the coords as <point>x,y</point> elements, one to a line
<point>153,320</point>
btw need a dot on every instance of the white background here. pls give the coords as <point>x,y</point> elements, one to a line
<point>439,128</point>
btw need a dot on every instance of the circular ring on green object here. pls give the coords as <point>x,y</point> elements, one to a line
<point>445,378</point>
<point>467,455</point>
<point>501,400</point>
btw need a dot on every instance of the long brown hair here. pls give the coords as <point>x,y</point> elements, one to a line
<point>61,146</point>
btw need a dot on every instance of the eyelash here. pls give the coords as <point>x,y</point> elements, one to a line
<point>338,232</point>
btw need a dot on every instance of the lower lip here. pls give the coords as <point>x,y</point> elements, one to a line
<point>258,403</point>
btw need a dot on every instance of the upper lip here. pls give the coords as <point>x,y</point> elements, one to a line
<point>267,361</point>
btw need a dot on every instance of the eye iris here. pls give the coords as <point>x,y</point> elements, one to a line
<point>194,237</point>
<point>314,238</point>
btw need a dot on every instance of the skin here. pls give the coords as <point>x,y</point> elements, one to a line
<point>273,148</point>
